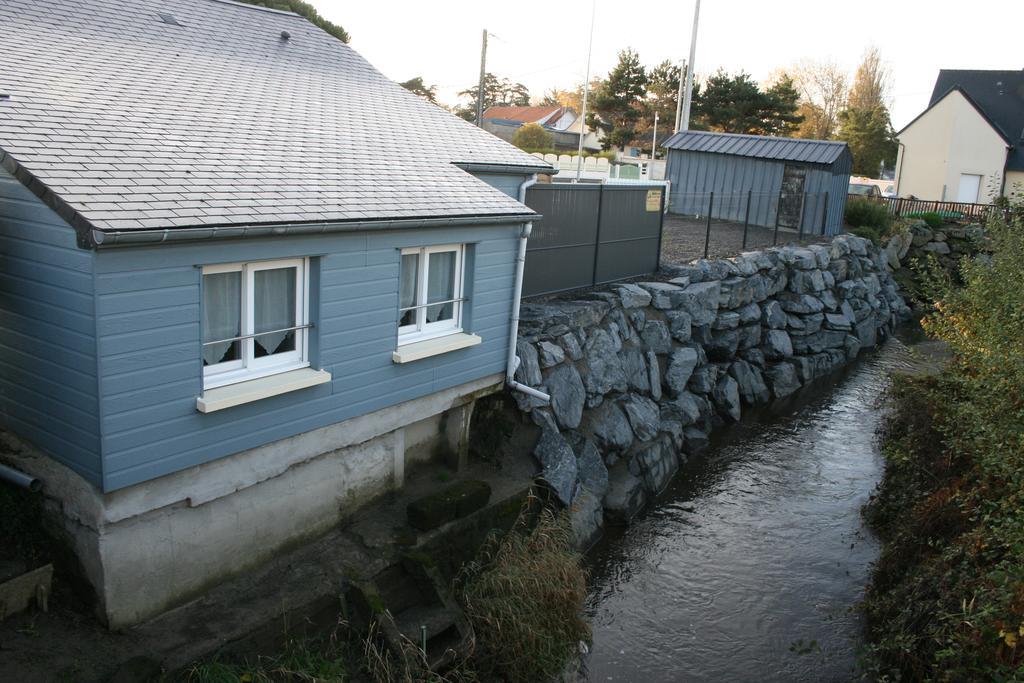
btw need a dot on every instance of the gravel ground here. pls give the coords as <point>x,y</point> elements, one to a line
<point>683,239</point>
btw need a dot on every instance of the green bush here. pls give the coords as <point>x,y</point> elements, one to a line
<point>946,600</point>
<point>933,219</point>
<point>861,213</point>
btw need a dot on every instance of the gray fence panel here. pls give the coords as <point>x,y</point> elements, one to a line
<point>629,234</point>
<point>560,253</point>
<point>590,234</point>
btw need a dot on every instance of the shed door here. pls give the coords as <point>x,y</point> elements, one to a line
<point>791,196</point>
<point>970,187</point>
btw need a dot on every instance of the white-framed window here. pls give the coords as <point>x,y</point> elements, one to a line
<point>255,320</point>
<point>430,292</point>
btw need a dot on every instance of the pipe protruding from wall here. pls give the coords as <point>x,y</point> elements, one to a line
<point>513,337</point>
<point>19,478</point>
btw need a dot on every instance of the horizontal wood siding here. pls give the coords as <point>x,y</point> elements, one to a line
<point>507,183</point>
<point>149,342</point>
<point>48,387</point>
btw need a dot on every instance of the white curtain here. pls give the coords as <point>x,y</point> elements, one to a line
<point>407,288</point>
<point>273,309</point>
<point>441,285</point>
<point>222,315</point>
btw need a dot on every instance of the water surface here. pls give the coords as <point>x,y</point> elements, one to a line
<point>749,566</point>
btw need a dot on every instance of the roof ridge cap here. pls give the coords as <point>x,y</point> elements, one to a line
<point>259,8</point>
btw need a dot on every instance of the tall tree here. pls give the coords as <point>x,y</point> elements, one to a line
<point>822,87</point>
<point>865,123</point>
<point>533,138</point>
<point>736,104</point>
<point>304,9</point>
<point>662,91</point>
<point>618,100</point>
<point>416,85</point>
<point>498,92</point>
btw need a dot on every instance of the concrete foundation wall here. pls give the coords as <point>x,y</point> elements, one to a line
<point>152,546</point>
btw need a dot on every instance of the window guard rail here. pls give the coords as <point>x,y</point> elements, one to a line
<point>259,334</point>
<point>433,303</point>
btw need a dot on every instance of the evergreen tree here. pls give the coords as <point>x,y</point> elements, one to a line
<point>618,102</point>
<point>781,114</point>
<point>416,85</point>
<point>498,92</point>
<point>662,92</point>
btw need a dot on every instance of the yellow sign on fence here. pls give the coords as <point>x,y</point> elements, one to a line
<point>654,200</point>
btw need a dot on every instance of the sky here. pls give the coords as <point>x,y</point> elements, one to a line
<point>544,44</point>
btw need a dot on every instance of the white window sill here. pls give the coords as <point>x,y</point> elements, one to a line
<point>256,389</point>
<point>407,353</point>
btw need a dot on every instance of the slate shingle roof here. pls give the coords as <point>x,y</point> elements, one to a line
<point>1000,97</point>
<point>135,123</point>
<point>758,146</point>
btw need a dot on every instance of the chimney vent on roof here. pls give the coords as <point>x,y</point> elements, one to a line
<point>285,35</point>
<point>168,18</point>
<point>4,97</point>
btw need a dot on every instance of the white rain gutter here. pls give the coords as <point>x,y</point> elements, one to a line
<point>513,336</point>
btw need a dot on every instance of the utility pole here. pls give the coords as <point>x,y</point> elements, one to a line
<point>586,90</point>
<point>654,138</point>
<point>480,88</point>
<point>679,96</point>
<point>687,100</point>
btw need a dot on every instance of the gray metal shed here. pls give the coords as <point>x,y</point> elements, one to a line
<point>792,183</point>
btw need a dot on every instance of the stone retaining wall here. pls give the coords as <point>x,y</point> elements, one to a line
<point>640,374</point>
<point>948,244</point>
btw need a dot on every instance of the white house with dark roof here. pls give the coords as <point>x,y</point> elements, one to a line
<point>968,145</point>
<point>234,279</point>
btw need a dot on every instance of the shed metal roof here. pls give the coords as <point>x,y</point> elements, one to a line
<point>122,121</point>
<point>758,146</point>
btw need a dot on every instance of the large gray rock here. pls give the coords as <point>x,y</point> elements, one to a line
<point>663,295</point>
<point>644,416</point>
<point>777,345</point>
<point>703,379</point>
<point>606,374</point>
<point>528,372</point>
<point>654,375</point>
<point>782,379</point>
<point>723,345</point>
<point>626,495</point>
<point>586,519</point>
<point>680,324</point>
<point>937,248</point>
<point>633,296</point>
<point>726,396</point>
<point>591,470</point>
<point>686,406</point>
<point>558,463</point>
<point>837,321</point>
<point>656,466</point>
<point>751,386</point>
<point>550,354</point>
<point>695,441</point>
<point>867,333</point>
<point>681,365</point>
<point>735,292</point>
<point>610,428</point>
<point>655,335</point>
<point>700,300</point>
<point>633,365</point>
<point>800,303</point>
<point>571,345</point>
<point>567,395</point>
<point>751,313</point>
<point>750,336</point>
<point>772,315</point>
<point>726,320</point>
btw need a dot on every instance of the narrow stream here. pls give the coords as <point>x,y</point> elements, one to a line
<point>749,566</point>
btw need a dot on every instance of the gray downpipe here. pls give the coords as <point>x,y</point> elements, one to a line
<point>19,478</point>
<point>513,337</point>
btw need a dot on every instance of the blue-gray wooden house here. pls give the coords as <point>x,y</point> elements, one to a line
<point>221,231</point>
<point>797,184</point>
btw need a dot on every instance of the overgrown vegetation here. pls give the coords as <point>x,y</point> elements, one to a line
<point>868,219</point>
<point>523,594</point>
<point>946,601</point>
<point>303,9</point>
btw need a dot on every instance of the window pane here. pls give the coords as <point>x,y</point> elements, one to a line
<point>441,286</point>
<point>273,309</point>
<point>222,317</point>
<point>407,289</point>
